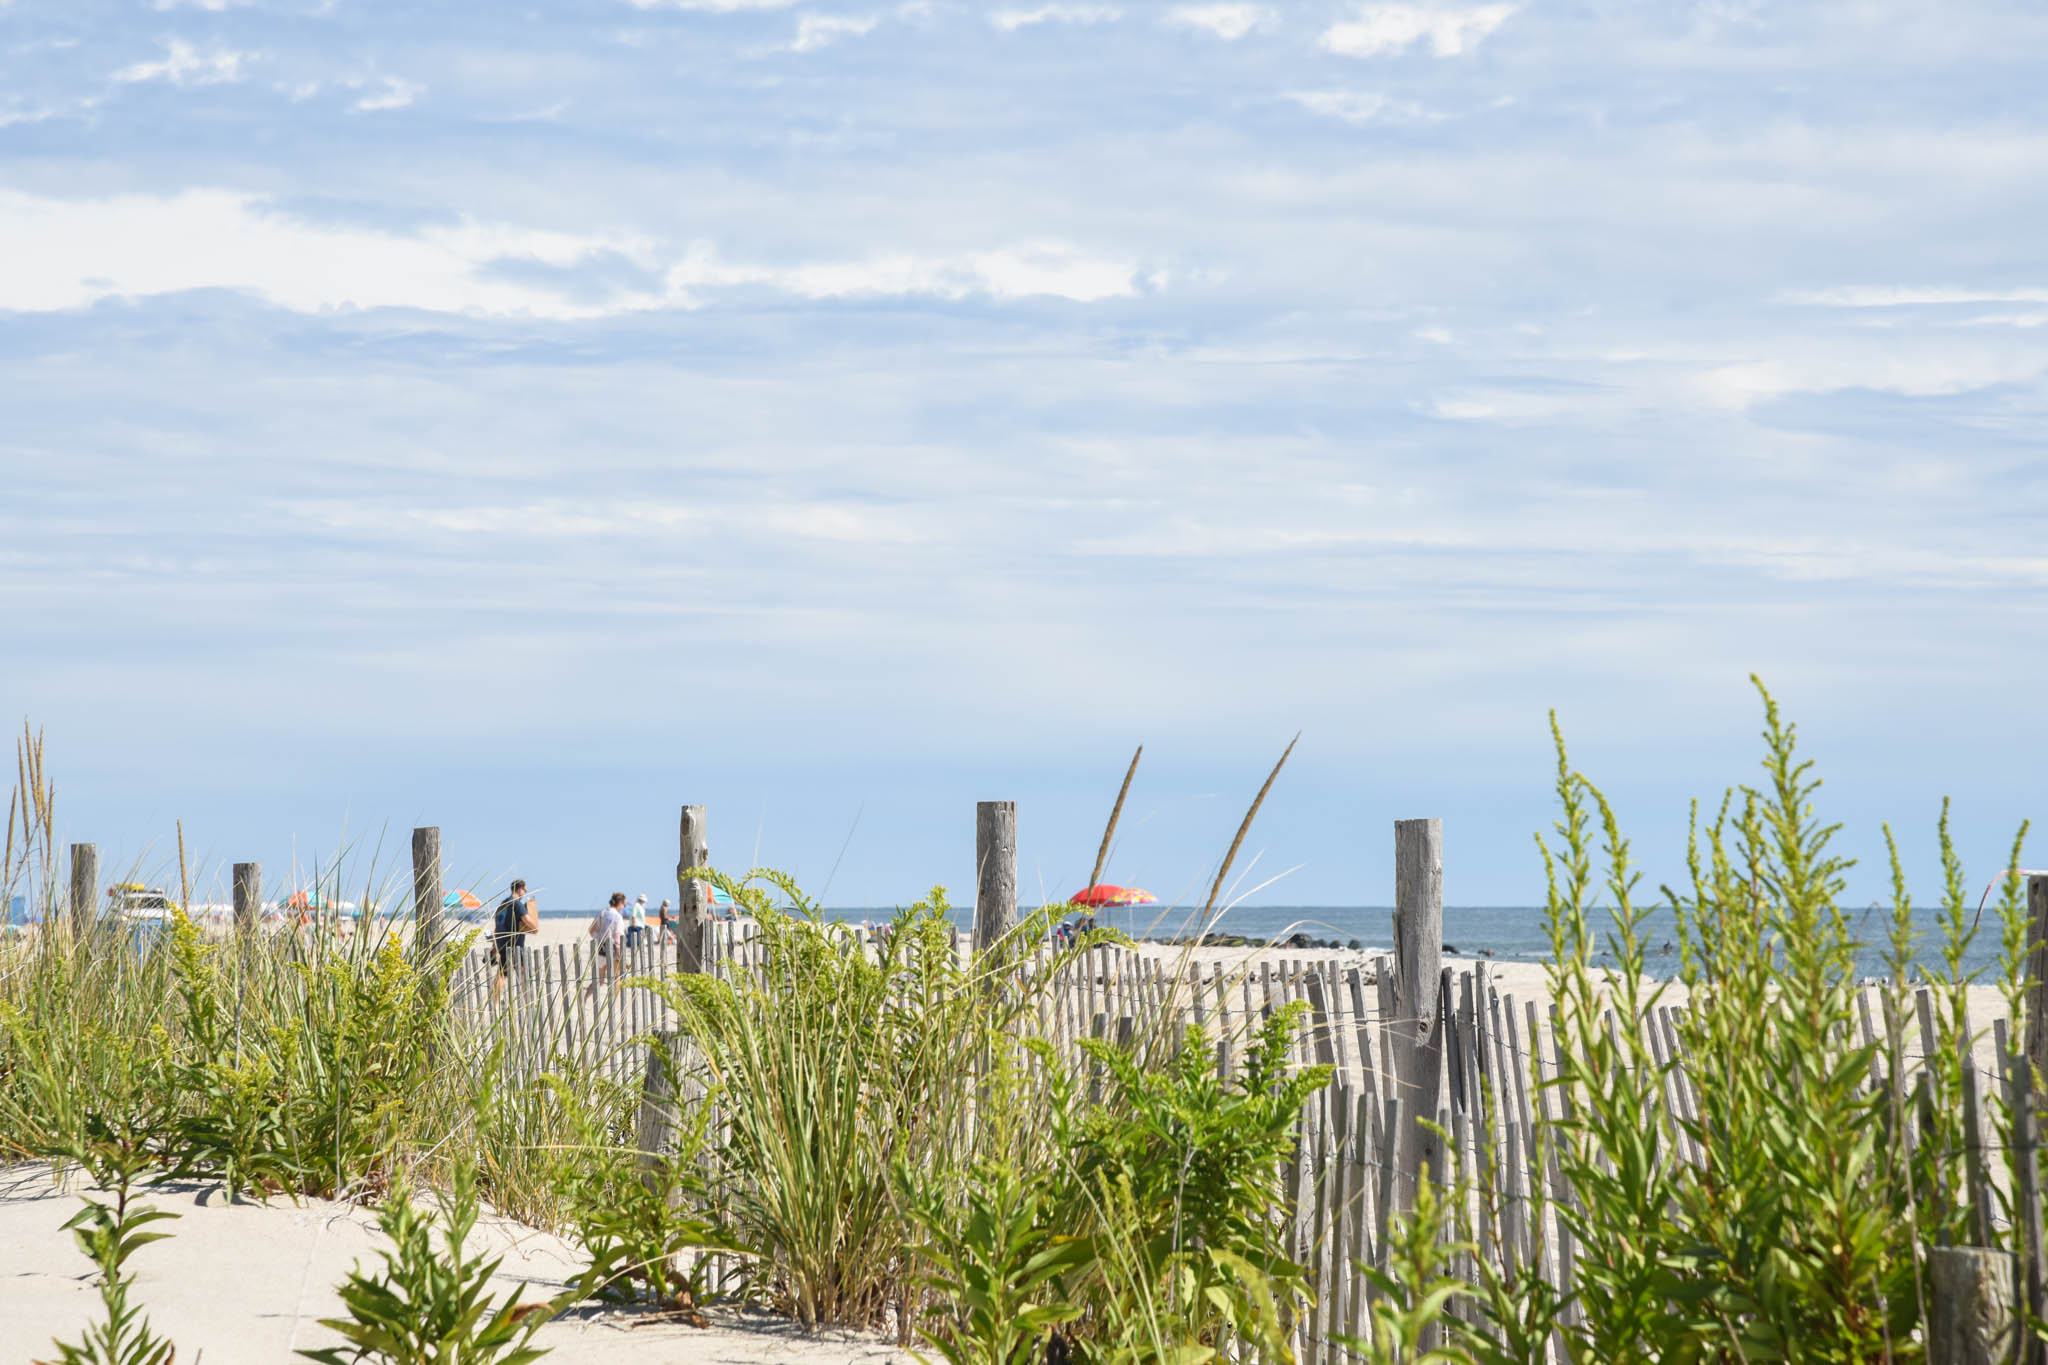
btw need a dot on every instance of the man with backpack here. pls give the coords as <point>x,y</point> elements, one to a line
<point>518,916</point>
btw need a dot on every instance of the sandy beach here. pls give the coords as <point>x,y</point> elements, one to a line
<point>246,1284</point>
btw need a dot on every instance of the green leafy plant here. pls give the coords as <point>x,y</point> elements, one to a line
<point>1779,1210</point>
<point>1177,1176</point>
<point>638,1215</point>
<point>109,1233</point>
<point>432,1305</point>
<point>1415,1291</point>
<point>996,1266</point>
<point>1151,1231</point>
<point>839,1066</point>
<point>237,1121</point>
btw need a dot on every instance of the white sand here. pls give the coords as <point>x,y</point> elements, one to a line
<point>245,1284</point>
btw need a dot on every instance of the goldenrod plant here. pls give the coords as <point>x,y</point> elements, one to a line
<point>1783,1212</point>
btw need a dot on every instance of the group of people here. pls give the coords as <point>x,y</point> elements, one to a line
<point>618,927</point>
<point>613,930</point>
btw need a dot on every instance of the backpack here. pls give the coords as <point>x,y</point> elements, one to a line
<point>509,914</point>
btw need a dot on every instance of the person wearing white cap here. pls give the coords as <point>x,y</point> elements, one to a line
<point>638,924</point>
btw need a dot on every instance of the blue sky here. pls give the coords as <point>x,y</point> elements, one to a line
<point>528,418</point>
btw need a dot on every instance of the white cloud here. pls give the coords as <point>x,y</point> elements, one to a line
<point>184,65</point>
<point>1378,29</point>
<point>210,6</point>
<point>581,519</point>
<point>2007,320</point>
<point>1353,106</point>
<point>713,6</point>
<point>58,253</point>
<point>814,31</point>
<point>1899,296</point>
<point>397,94</point>
<point>1010,20</point>
<point>1907,369</point>
<point>62,254</point>
<point>1052,270</point>
<point>1360,106</point>
<point>1228,22</point>
<point>1515,408</point>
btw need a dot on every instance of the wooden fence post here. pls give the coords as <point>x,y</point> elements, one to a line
<point>85,880</point>
<point>694,851</point>
<point>2036,1053</point>
<point>657,1123</point>
<point>1970,1317</point>
<point>995,863</point>
<point>248,896</point>
<point>426,890</point>
<point>1417,1020</point>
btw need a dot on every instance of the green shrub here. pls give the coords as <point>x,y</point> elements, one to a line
<point>1151,1232</point>
<point>1782,1216</point>
<point>1414,1294</point>
<point>997,1267</point>
<point>109,1233</point>
<point>429,1305</point>
<point>1177,1177</point>
<point>637,1214</point>
<point>834,1065</point>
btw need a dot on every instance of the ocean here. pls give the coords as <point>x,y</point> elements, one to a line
<point>1515,933</point>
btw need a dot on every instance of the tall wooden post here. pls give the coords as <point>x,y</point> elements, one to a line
<point>2037,974</point>
<point>692,907</point>
<point>995,862</point>
<point>658,1108</point>
<point>85,881</point>
<point>1970,1309</point>
<point>1417,1020</point>
<point>248,896</point>
<point>426,890</point>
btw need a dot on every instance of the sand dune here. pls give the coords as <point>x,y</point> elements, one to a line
<point>245,1284</point>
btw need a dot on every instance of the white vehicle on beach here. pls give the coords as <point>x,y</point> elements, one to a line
<point>133,900</point>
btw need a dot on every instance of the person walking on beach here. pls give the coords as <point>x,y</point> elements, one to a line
<point>608,932</point>
<point>666,924</point>
<point>518,916</point>
<point>636,927</point>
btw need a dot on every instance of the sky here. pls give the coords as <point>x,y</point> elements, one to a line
<point>528,419</point>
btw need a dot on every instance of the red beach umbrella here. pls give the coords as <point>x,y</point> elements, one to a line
<point>1102,893</point>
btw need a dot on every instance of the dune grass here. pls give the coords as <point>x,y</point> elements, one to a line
<point>1777,1202</point>
<point>848,1105</point>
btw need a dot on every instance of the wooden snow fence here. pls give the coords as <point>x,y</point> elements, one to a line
<point>1346,1180</point>
<point>552,1016</point>
<point>553,1012</point>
